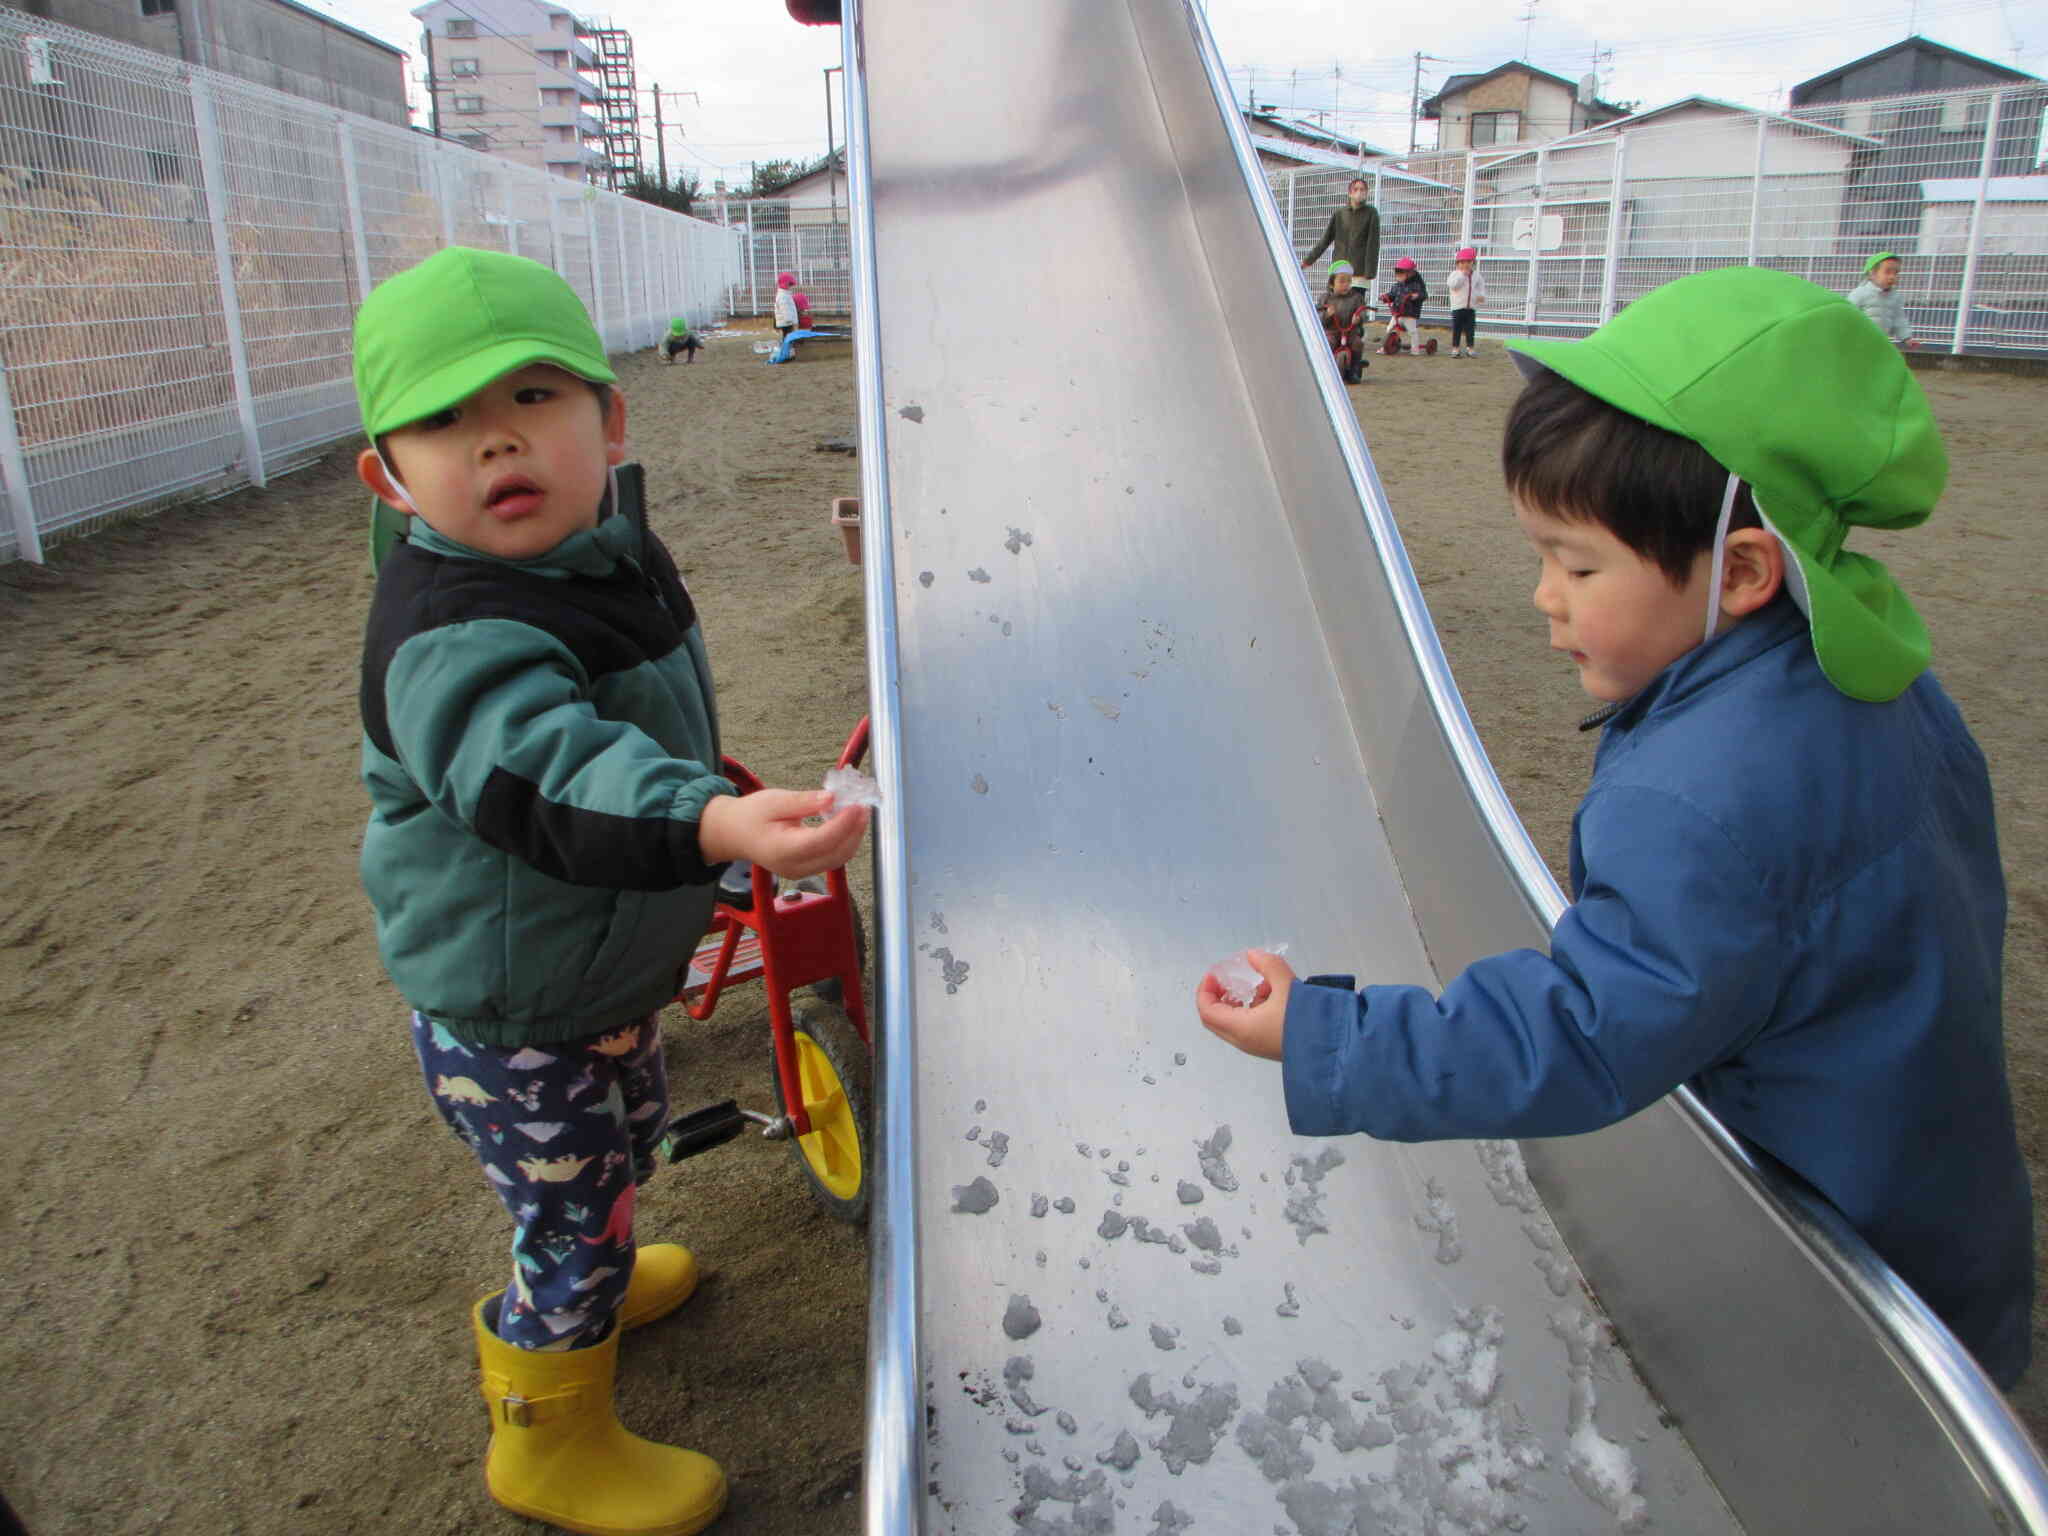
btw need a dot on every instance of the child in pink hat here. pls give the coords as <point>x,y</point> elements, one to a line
<point>1468,292</point>
<point>787,315</point>
<point>1403,303</point>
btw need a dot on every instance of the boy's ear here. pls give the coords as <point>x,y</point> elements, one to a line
<point>371,471</point>
<point>615,427</point>
<point>1753,571</point>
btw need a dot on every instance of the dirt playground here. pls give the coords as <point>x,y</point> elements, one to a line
<point>239,1247</point>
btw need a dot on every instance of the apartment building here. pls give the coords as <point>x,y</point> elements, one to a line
<point>535,83</point>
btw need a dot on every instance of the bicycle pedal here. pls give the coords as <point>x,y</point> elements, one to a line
<point>703,1129</point>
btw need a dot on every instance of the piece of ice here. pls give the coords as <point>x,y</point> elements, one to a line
<point>1236,977</point>
<point>849,786</point>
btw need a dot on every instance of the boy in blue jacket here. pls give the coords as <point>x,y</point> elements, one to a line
<point>548,824</point>
<point>1785,877</point>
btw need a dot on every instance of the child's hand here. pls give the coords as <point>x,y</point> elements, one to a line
<point>1259,1027</point>
<point>768,828</point>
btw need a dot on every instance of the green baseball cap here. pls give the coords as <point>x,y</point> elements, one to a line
<point>1871,265</point>
<point>440,331</point>
<point>1793,389</point>
<point>1340,266</point>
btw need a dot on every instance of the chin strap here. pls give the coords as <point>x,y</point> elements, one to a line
<point>404,497</point>
<point>1720,546</point>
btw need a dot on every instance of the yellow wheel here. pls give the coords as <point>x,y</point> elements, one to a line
<point>834,1076</point>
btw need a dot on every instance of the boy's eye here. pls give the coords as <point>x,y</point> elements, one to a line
<point>437,421</point>
<point>533,394</point>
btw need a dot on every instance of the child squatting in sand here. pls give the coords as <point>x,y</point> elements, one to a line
<point>1786,890</point>
<point>548,825</point>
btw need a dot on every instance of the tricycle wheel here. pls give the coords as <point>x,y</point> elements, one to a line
<point>835,1075</point>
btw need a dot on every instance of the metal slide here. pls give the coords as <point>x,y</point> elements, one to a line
<point>1151,678</point>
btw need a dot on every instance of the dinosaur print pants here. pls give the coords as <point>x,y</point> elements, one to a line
<point>565,1131</point>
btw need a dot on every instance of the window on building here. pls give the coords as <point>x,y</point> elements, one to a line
<point>469,103</point>
<point>1959,114</point>
<point>462,28</point>
<point>159,7</point>
<point>474,140</point>
<point>1495,127</point>
<point>464,67</point>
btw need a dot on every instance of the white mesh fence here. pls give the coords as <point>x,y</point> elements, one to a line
<point>182,254</point>
<point>811,244</point>
<point>1570,231</point>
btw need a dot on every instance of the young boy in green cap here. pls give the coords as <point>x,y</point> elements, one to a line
<point>682,337</point>
<point>1343,316</point>
<point>547,828</point>
<point>1878,296</point>
<point>1785,877</point>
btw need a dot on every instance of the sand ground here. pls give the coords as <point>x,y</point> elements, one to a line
<point>239,1248</point>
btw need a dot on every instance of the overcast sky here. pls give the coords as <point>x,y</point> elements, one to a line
<point>759,91</point>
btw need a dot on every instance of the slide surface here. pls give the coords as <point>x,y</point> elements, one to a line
<point>1152,679</point>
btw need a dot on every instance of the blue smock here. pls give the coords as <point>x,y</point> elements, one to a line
<point>1786,898</point>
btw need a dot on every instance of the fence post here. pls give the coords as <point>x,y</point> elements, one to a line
<point>1293,235</point>
<point>1984,167</point>
<point>1535,246</point>
<point>1616,212</point>
<point>1471,191</point>
<point>345,145</point>
<point>753,285</point>
<point>216,188</point>
<point>443,196</point>
<point>627,327</point>
<point>596,267</point>
<point>662,269</point>
<point>647,274</point>
<point>28,539</point>
<point>1756,184</point>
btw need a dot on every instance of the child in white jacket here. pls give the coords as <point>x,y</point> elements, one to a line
<point>1468,292</point>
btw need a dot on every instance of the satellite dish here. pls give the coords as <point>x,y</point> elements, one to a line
<point>1589,89</point>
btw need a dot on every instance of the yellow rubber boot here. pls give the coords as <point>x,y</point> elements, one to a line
<point>664,1277</point>
<point>558,1452</point>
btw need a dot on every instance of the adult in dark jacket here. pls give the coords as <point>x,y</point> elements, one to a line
<point>1354,232</point>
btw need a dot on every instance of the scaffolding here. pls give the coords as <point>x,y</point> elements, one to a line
<point>621,103</point>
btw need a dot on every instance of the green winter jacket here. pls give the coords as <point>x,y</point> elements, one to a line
<point>539,741</point>
<point>1355,234</point>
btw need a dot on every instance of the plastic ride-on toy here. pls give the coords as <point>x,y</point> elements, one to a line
<point>1396,341</point>
<point>808,935</point>
<point>1347,344</point>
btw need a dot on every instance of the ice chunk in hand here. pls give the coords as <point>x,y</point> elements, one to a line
<point>1236,977</point>
<point>850,786</point>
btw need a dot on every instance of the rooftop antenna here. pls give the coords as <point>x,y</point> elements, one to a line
<point>1528,20</point>
<point>1600,56</point>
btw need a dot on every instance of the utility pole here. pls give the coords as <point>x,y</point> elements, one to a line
<point>660,144</point>
<point>831,175</point>
<point>1415,97</point>
<point>433,85</point>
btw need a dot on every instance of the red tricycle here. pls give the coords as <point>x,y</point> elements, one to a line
<point>806,935</point>
<point>1344,328</point>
